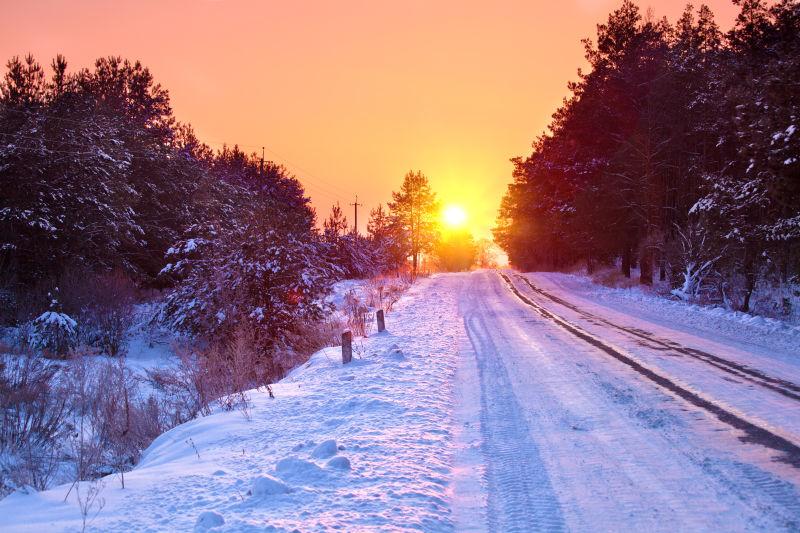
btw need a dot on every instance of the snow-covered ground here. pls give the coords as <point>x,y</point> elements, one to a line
<point>495,402</point>
<point>366,445</point>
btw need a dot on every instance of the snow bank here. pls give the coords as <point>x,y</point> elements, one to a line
<point>350,447</point>
<point>677,313</point>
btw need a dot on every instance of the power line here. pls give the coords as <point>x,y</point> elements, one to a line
<point>308,174</point>
<point>331,190</point>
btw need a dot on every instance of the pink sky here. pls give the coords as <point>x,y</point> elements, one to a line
<point>348,95</point>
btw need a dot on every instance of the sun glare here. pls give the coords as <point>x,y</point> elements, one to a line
<point>454,216</point>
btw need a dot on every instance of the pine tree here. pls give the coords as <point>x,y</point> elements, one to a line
<point>383,241</point>
<point>335,226</point>
<point>413,211</point>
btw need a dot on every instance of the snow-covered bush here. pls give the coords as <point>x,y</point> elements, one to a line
<point>382,292</point>
<point>183,390</point>
<point>693,258</point>
<point>209,375</point>
<point>233,368</point>
<point>110,312</point>
<point>112,420</point>
<point>76,420</point>
<point>53,333</point>
<point>612,277</point>
<point>102,304</point>
<point>359,317</point>
<point>33,414</point>
<point>306,338</point>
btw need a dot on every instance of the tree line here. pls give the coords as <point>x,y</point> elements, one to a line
<point>104,193</point>
<point>676,155</point>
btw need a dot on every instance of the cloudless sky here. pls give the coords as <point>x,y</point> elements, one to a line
<point>348,95</point>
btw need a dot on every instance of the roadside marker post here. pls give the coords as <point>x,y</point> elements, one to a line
<point>381,321</point>
<point>347,347</point>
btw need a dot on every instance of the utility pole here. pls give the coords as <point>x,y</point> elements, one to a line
<point>355,207</point>
<point>261,168</point>
<point>413,240</point>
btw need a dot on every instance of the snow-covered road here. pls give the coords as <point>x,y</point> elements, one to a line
<point>590,423</point>
<point>494,402</point>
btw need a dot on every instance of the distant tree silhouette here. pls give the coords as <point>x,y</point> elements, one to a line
<point>413,211</point>
<point>456,251</point>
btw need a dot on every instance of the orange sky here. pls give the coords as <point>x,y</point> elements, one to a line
<point>348,95</point>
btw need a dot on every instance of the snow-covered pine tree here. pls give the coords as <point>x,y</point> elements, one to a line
<point>259,265</point>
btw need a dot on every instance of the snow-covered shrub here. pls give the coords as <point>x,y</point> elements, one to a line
<point>375,290</point>
<point>259,278</point>
<point>359,316</point>
<point>306,338</point>
<point>53,333</point>
<point>235,367</point>
<point>392,295</point>
<point>111,312</point>
<point>222,373</point>
<point>102,304</point>
<point>182,390</point>
<point>383,291</point>
<point>612,277</point>
<point>215,374</point>
<point>693,258</point>
<point>112,420</point>
<point>773,297</point>
<point>33,414</point>
<point>126,421</point>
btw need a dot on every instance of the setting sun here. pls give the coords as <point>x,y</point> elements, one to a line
<point>454,216</point>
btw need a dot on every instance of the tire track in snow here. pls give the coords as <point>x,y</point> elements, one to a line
<point>784,387</point>
<point>789,452</point>
<point>520,495</point>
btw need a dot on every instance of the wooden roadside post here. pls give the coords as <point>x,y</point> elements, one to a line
<point>347,347</point>
<point>381,322</point>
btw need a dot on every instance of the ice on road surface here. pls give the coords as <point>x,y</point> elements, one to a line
<point>494,402</point>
